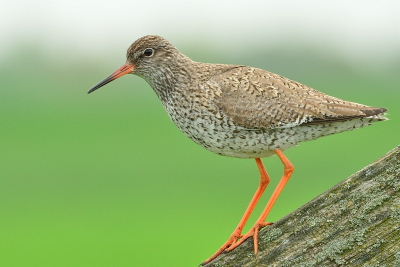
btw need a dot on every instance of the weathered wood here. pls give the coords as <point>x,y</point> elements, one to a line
<point>355,223</point>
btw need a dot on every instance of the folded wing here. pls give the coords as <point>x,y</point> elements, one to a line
<point>255,98</point>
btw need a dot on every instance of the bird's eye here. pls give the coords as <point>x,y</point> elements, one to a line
<point>148,52</point>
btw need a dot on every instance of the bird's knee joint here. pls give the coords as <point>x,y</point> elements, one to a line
<point>264,182</point>
<point>289,169</point>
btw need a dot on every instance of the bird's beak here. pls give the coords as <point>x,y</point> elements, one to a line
<point>124,69</point>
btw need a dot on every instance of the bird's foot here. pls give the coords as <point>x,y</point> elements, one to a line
<point>232,240</point>
<point>236,239</point>
<point>254,233</point>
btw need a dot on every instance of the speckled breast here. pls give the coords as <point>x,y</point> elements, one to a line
<point>221,136</point>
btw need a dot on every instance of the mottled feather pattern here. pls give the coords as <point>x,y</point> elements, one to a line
<point>241,111</point>
<point>255,98</point>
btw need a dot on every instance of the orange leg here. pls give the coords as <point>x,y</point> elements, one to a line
<point>288,170</point>
<point>264,181</point>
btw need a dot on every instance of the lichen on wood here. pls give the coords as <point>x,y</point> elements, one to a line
<point>355,223</point>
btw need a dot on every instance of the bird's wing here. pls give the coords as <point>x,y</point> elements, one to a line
<point>254,98</point>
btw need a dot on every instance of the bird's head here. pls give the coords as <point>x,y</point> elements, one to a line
<point>147,57</point>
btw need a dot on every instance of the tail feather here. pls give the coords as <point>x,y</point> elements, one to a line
<point>364,112</point>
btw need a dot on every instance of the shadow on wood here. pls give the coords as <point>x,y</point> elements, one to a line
<point>355,223</point>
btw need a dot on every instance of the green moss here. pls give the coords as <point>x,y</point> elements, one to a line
<point>333,251</point>
<point>397,259</point>
<point>273,234</point>
<point>395,211</point>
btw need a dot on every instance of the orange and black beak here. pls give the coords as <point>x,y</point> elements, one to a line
<point>124,69</point>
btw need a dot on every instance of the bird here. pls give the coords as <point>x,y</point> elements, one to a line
<point>241,112</point>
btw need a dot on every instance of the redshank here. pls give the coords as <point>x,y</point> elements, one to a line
<point>240,112</point>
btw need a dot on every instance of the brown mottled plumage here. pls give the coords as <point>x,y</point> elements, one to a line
<point>240,111</point>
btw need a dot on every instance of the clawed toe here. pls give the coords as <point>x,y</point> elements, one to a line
<point>237,239</point>
<point>254,233</point>
<point>233,239</point>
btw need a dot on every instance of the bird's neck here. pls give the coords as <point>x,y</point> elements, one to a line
<point>167,77</point>
<point>181,75</point>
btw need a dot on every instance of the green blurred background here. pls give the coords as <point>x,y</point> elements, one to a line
<point>107,180</point>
